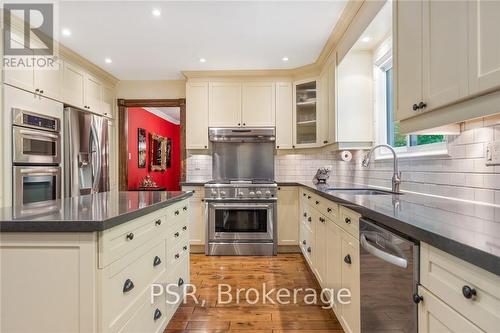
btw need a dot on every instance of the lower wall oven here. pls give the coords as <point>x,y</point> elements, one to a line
<point>241,228</point>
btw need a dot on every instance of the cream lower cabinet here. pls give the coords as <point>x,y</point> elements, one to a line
<point>288,220</point>
<point>96,282</point>
<point>350,313</point>
<point>196,219</point>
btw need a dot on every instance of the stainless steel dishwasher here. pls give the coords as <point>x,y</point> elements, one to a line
<point>389,277</point>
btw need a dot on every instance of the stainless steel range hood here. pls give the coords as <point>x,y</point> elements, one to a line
<point>239,134</point>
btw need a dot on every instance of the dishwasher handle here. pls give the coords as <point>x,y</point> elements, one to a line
<point>390,258</point>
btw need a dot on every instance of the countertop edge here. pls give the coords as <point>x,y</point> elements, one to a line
<point>87,225</point>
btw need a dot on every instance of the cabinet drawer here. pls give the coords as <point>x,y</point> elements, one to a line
<point>455,282</point>
<point>124,281</point>
<point>114,243</point>
<point>149,317</point>
<point>307,243</point>
<point>349,221</point>
<point>307,218</point>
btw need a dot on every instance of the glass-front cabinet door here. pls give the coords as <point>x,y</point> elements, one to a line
<point>305,113</point>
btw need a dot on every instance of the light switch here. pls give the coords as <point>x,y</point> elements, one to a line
<point>493,153</point>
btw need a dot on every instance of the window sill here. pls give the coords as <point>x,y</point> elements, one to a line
<point>434,150</point>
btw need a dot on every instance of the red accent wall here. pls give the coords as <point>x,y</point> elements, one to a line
<point>140,118</point>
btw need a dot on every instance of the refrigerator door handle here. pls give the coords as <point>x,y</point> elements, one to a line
<point>96,169</point>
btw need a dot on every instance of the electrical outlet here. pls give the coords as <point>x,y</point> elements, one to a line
<point>493,153</point>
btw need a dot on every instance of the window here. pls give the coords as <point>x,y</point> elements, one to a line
<point>386,128</point>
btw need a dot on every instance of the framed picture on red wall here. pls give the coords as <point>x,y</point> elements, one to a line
<point>141,148</point>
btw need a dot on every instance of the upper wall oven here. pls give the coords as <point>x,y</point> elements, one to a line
<point>35,138</point>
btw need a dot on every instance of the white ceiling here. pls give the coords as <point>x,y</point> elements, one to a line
<point>228,34</point>
<point>170,114</point>
<point>378,30</point>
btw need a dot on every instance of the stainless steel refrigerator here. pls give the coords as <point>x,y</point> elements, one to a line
<point>86,153</point>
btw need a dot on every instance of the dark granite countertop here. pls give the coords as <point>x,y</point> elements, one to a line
<point>87,213</point>
<point>467,230</point>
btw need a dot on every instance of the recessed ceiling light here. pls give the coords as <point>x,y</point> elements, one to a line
<point>66,32</point>
<point>284,58</point>
<point>108,60</point>
<point>156,12</point>
<point>366,39</point>
<point>203,60</point>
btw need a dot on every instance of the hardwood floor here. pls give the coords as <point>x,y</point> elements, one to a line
<point>287,271</point>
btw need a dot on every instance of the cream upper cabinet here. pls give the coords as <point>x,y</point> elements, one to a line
<point>197,115</point>
<point>288,219</point>
<point>108,102</point>
<point>350,314</point>
<point>305,115</point>
<point>93,93</point>
<point>224,104</point>
<point>435,316</point>
<point>284,118</point>
<point>48,82</point>
<point>73,85</point>
<point>323,110</point>
<point>484,47</point>
<point>332,102</point>
<point>407,60</point>
<point>258,104</point>
<point>21,78</point>
<point>445,77</point>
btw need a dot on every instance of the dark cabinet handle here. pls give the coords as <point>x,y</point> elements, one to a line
<point>322,220</point>
<point>184,208</point>
<point>157,314</point>
<point>41,91</point>
<point>317,202</point>
<point>325,142</point>
<point>305,214</point>
<point>304,242</point>
<point>176,212</point>
<point>205,147</point>
<point>347,259</point>
<point>417,298</point>
<point>309,219</point>
<point>176,234</point>
<point>308,197</point>
<point>309,249</point>
<point>37,90</point>
<point>184,228</point>
<point>156,261</point>
<point>180,282</point>
<point>303,194</point>
<point>158,222</point>
<point>468,292</point>
<point>415,107</point>
<point>347,220</point>
<point>277,147</point>
<point>422,105</point>
<point>128,286</point>
<point>185,247</point>
<point>177,256</point>
<point>239,124</point>
<point>329,210</point>
<point>130,236</point>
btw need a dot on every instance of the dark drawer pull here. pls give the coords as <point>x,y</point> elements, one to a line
<point>128,286</point>
<point>305,214</point>
<point>322,220</point>
<point>303,194</point>
<point>185,247</point>
<point>417,298</point>
<point>304,242</point>
<point>130,236</point>
<point>329,210</point>
<point>181,282</point>
<point>468,292</point>
<point>176,212</point>
<point>309,219</point>
<point>317,202</point>
<point>347,259</point>
<point>184,208</point>
<point>185,228</point>
<point>177,256</point>
<point>156,261</point>
<point>157,314</point>
<point>308,197</point>
<point>158,222</point>
<point>309,249</point>
<point>176,234</point>
<point>347,220</point>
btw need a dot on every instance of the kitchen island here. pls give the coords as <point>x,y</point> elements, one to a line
<point>86,264</point>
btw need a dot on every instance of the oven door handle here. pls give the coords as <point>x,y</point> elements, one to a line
<point>390,258</point>
<point>35,134</point>
<point>39,172</point>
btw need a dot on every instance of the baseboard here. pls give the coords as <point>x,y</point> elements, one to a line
<point>288,249</point>
<point>197,249</point>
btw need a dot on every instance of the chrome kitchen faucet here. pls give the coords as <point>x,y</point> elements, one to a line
<point>396,176</point>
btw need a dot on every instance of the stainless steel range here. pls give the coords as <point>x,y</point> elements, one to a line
<point>241,201</point>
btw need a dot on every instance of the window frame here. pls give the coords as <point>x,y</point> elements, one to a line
<point>383,62</point>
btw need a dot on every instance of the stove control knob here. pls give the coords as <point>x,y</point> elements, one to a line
<point>251,193</point>
<point>222,194</point>
<point>268,194</point>
<point>258,193</point>
<point>214,193</point>
<point>240,194</point>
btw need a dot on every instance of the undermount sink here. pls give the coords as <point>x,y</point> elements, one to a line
<point>360,191</point>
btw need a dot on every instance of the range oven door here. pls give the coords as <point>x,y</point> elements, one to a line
<point>234,221</point>
<point>35,146</point>
<point>36,184</point>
